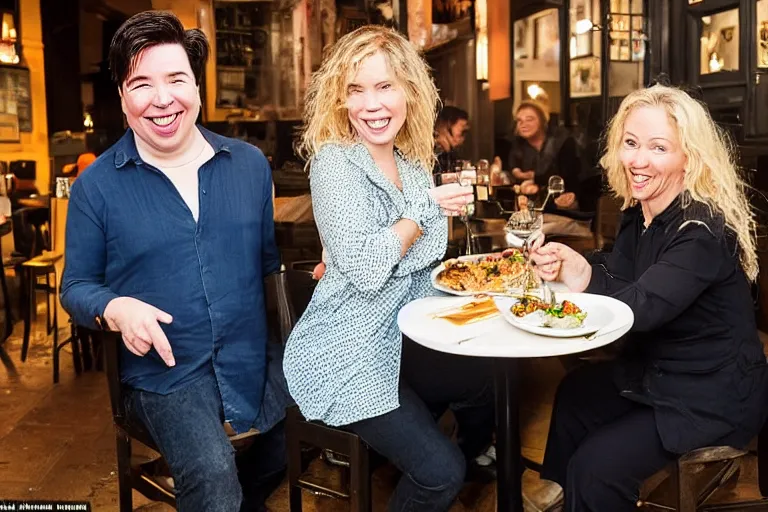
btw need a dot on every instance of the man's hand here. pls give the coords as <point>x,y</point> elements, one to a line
<point>529,188</point>
<point>521,175</point>
<point>137,321</point>
<point>566,200</point>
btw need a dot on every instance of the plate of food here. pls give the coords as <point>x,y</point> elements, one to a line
<point>571,315</point>
<point>494,274</point>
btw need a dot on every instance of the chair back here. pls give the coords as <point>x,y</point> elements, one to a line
<point>111,342</point>
<point>280,314</point>
<point>301,287</point>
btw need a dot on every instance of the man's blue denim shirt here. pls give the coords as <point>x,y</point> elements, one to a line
<point>129,233</point>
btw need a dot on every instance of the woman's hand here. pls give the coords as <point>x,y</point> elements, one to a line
<point>452,198</point>
<point>557,261</point>
<point>521,175</point>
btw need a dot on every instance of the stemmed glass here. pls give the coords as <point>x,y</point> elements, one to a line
<point>555,186</point>
<point>466,212</point>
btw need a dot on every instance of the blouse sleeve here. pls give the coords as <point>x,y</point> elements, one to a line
<point>431,245</point>
<point>670,285</point>
<point>356,244</point>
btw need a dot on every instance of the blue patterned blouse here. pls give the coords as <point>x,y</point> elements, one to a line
<point>342,361</point>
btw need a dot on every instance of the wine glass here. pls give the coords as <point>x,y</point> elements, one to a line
<point>467,211</point>
<point>555,186</point>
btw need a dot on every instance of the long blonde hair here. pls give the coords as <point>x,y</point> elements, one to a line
<point>711,174</point>
<point>325,113</point>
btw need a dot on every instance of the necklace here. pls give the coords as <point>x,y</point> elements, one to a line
<point>202,148</point>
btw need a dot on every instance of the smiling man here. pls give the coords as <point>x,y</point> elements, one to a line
<point>169,237</point>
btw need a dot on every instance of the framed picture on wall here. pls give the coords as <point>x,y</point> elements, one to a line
<point>585,77</point>
<point>521,39</point>
<point>545,37</point>
<point>581,44</point>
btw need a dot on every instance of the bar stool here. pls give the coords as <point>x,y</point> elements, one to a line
<point>31,270</point>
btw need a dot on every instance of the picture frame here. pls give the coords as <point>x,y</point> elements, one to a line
<point>581,44</point>
<point>521,33</point>
<point>585,77</point>
<point>545,37</point>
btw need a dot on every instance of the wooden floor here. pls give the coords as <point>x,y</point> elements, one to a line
<point>56,442</point>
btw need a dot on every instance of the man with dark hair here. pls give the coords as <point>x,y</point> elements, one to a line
<point>170,235</point>
<point>450,131</point>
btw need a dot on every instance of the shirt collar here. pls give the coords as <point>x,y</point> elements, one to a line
<point>672,211</point>
<point>126,151</point>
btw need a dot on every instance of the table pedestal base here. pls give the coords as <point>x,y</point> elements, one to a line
<point>509,491</point>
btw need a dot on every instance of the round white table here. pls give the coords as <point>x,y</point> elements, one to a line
<point>506,345</point>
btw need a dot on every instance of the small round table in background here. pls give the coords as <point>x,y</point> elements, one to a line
<point>506,345</point>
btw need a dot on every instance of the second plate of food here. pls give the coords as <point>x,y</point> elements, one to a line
<point>574,314</point>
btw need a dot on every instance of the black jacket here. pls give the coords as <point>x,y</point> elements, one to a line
<point>693,353</point>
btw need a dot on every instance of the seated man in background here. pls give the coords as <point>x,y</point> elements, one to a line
<point>450,132</point>
<point>170,235</point>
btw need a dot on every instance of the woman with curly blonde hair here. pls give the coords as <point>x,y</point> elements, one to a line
<point>367,138</point>
<point>692,372</point>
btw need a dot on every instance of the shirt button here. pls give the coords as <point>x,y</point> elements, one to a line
<point>204,192</point>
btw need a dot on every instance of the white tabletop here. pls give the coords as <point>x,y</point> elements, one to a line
<point>494,337</point>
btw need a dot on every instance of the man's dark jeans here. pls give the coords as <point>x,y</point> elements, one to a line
<point>187,427</point>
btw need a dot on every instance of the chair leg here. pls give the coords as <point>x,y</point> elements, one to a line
<point>359,478</point>
<point>686,494</point>
<point>762,460</point>
<point>27,280</point>
<point>125,488</point>
<point>293,445</point>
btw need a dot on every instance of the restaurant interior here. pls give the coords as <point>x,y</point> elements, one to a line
<point>59,110</point>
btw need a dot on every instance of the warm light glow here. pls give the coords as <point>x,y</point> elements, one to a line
<point>481,41</point>
<point>534,91</point>
<point>572,45</point>
<point>715,64</point>
<point>8,40</point>
<point>88,122</point>
<point>583,26</point>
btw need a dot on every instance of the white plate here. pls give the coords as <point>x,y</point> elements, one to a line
<point>603,314</point>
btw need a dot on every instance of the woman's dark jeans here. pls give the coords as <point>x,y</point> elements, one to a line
<point>433,466</point>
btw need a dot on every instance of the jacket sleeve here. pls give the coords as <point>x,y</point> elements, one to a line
<point>669,286</point>
<point>84,293</point>
<point>342,204</point>
<point>270,254</point>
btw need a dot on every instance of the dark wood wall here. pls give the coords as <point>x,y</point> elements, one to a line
<point>60,27</point>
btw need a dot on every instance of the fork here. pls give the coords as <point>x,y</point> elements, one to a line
<point>548,295</point>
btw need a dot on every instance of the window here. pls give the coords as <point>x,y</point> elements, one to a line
<point>720,42</point>
<point>627,31</point>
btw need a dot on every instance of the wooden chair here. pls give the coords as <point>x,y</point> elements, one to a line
<point>130,474</point>
<point>148,477</point>
<point>353,452</point>
<point>683,477</point>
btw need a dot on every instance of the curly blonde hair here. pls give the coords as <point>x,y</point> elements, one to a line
<point>326,118</point>
<point>712,176</point>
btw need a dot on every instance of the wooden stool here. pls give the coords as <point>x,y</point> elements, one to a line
<point>299,431</point>
<point>44,264</point>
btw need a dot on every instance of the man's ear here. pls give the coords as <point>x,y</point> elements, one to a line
<point>122,98</point>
